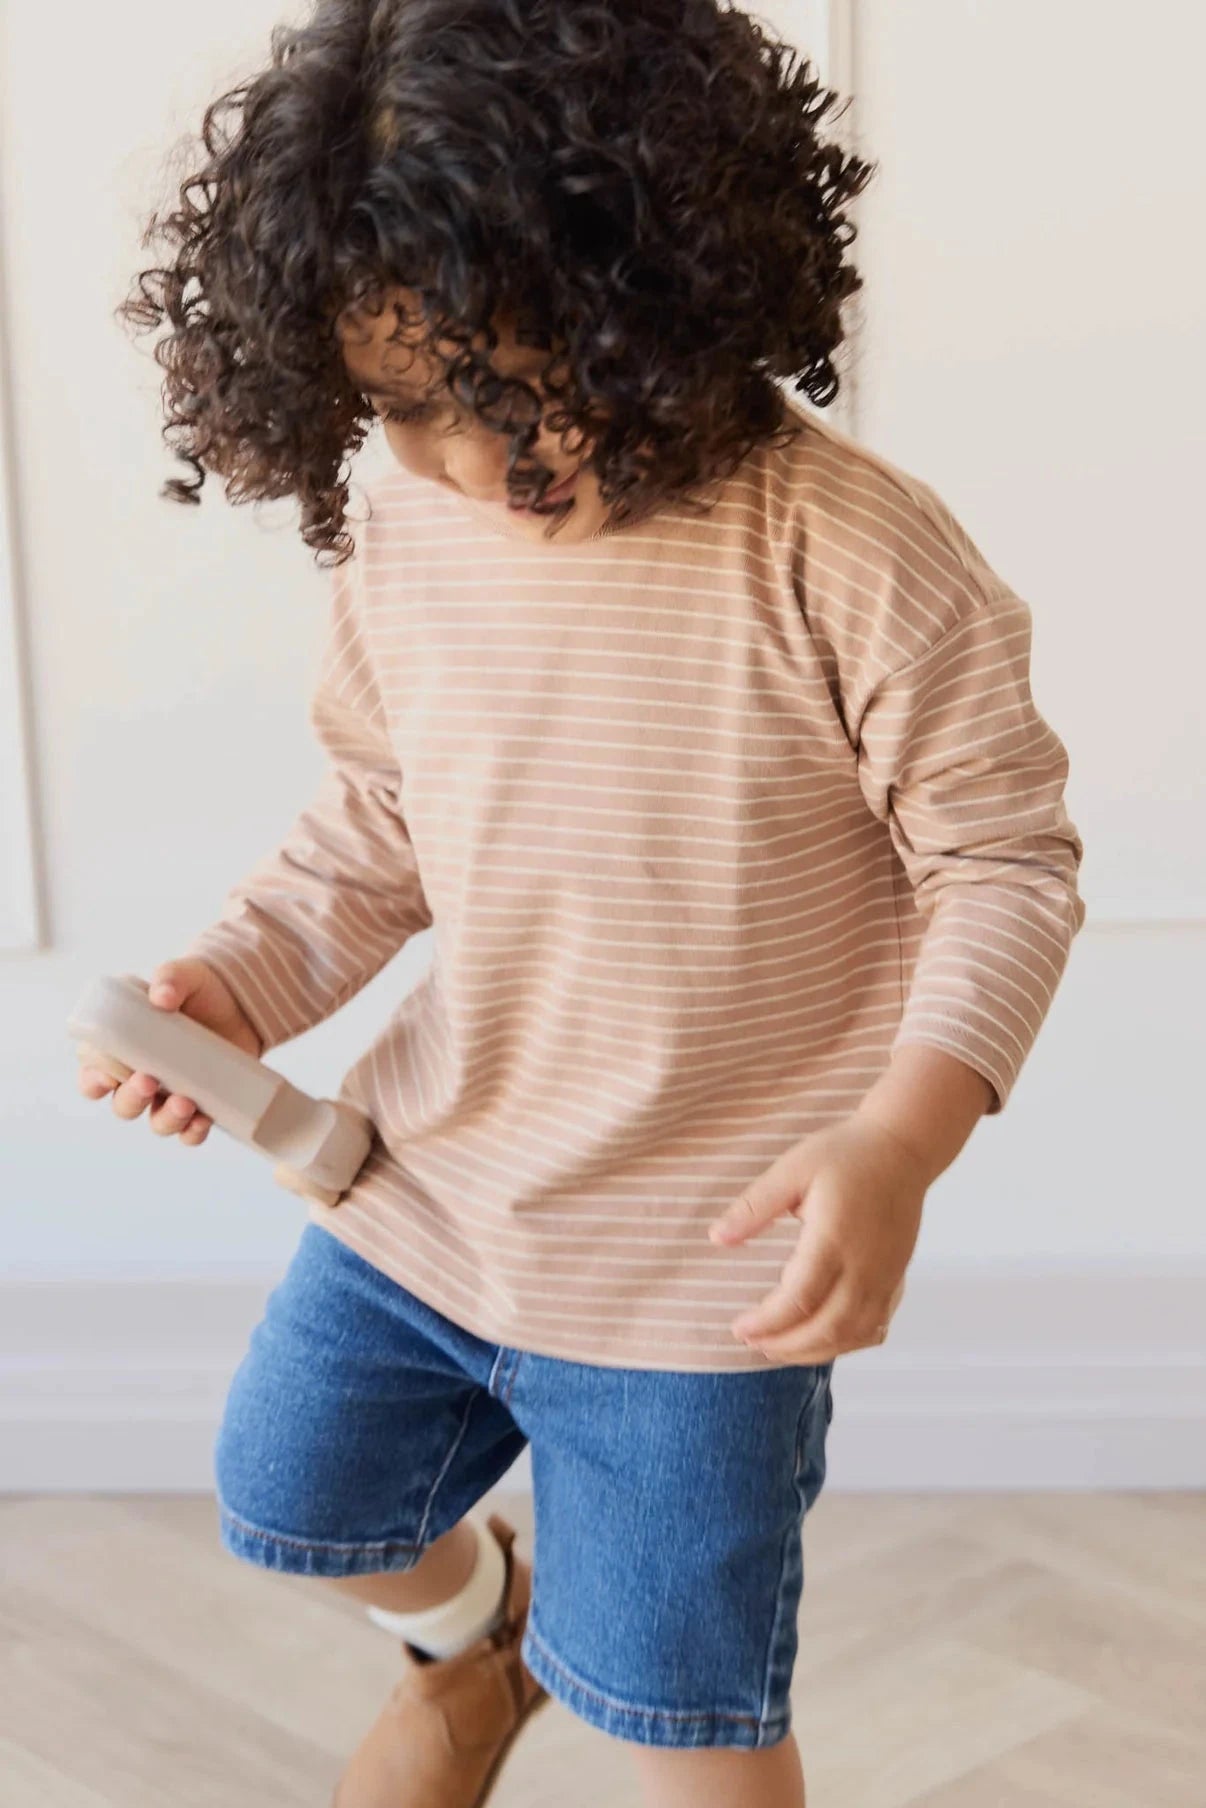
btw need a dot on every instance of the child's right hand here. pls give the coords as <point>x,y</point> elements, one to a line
<point>194,988</point>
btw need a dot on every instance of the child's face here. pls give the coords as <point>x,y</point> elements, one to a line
<point>447,444</point>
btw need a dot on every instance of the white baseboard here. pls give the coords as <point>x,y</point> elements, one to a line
<point>1082,1377</point>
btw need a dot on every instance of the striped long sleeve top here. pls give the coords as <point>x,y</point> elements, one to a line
<point>706,815</point>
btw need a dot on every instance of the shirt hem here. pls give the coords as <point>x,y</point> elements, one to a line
<point>634,1356</point>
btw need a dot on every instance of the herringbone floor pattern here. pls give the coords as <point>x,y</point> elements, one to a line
<point>957,1651</point>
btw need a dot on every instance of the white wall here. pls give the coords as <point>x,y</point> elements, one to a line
<point>1034,349</point>
<point>171,648</point>
<point>1037,349</point>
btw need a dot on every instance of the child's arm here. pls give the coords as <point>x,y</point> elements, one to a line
<point>930,1102</point>
<point>954,758</point>
<point>858,1189</point>
<point>314,921</point>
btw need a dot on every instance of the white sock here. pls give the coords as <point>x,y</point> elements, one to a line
<point>451,1626</point>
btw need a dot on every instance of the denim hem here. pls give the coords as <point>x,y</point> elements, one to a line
<point>643,1725</point>
<point>311,1557</point>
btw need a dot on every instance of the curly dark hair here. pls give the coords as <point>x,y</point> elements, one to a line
<point>642,184</point>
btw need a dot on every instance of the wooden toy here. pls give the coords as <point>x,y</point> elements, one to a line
<point>318,1145</point>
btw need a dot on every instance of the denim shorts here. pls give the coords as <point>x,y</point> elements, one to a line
<point>669,1505</point>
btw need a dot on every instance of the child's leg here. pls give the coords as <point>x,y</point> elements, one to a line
<point>669,1561</point>
<point>449,1600</point>
<point>441,1572</point>
<point>361,1432</point>
<point>770,1777</point>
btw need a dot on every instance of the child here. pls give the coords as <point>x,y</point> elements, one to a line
<point>702,739</point>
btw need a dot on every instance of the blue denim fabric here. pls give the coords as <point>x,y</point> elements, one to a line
<point>668,1561</point>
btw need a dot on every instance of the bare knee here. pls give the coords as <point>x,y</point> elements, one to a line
<point>441,1572</point>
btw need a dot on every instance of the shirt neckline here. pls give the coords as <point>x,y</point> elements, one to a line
<point>611,531</point>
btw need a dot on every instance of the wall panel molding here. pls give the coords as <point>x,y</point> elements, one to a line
<point>1077,1375</point>
<point>19,933</point>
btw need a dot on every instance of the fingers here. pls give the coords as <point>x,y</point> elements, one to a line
<point>107,1068</point>
<point>827,1333</point>
<point>192,987</point>
<point>766,1198</point>
<point>132,1097</point>
<point>173,1115</point>
<point>847,1321</point>
<point>809,1276</point>
<point>174,982</point>
<point>93,1083</point>
<point>170,1115</point>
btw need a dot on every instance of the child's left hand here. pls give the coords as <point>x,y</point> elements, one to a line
<point>857,1190</point>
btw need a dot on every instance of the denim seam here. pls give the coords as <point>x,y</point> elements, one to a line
<point>444,1468</point>
<point>503,1372</point>
<point>311,1544</point>
<point>776,1620</point>
<point>626,1707</point>
<point>792,1531</point>
<point>495,1366</point>
<point>371,1544</point>
<point>822,1375</point>
<point>512,1377</point>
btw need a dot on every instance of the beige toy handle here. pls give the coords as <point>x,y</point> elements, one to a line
<point>318,1145</point>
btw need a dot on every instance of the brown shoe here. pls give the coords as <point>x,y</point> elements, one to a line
<point>441,1738</point>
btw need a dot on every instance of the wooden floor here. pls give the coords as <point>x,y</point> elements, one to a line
<point>957,1651</point>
